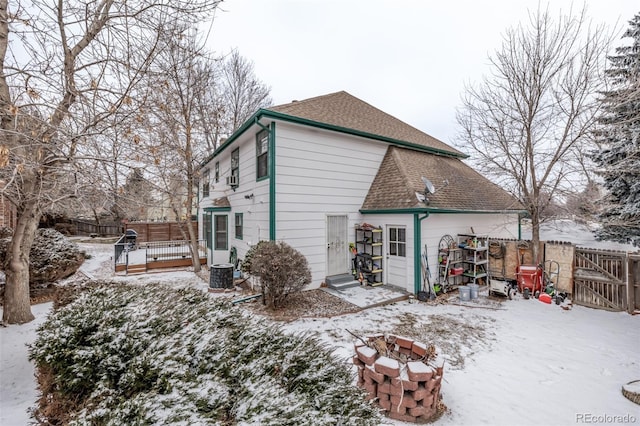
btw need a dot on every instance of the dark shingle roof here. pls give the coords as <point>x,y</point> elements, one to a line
<point>221,202</point>
<point>343,110</point>
<point>399,178</point>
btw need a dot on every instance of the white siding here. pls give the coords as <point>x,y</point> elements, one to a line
<point>397,220</point>
<point>437,225</point>
<point>318,173</point>
<point>255,210</point>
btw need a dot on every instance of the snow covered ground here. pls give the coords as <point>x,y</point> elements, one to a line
<point>519,362</point>
<point>576,233</point>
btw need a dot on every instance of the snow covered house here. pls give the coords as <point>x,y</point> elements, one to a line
<point>309,172</point>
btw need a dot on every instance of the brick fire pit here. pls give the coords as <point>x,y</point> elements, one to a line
<point>402,375</point>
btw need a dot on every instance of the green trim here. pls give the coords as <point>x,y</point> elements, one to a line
<point>237,175</point>
<point>519,227</point>
<point>431,210</point>
<point>217,209</point>
<point>434,210</point>
<point>417,251</point>
<point>395,211</point>
<point>259,137</point>
<point>235,226</point>
<point>254,119</point>
<point>215,232</point>
<point>325,126</point>
<point>272,182</point>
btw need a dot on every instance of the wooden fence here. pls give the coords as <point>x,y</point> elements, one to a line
<point>159,231</point>
<point>84,227</point>
<point>600,279</point>
<point>597,278</point>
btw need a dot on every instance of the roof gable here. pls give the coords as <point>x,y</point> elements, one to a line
<point>400,177</point>
<point>344,110</point>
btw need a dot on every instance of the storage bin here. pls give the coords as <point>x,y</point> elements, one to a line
<point>473,290</point>
<point>465,293</point>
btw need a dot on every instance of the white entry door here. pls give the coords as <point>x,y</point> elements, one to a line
<point>337,245</point>
<point>396,249</point>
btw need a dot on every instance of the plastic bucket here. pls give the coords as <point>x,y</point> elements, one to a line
<point>221,276</point>
<point>473,290</point>
<point>465,293</point>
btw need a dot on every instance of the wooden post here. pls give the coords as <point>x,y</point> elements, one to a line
<point>633,272</point>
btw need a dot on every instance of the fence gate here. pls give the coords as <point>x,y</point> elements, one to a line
<point>600,279</point>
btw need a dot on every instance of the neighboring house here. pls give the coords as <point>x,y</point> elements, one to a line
<point>308,172</point>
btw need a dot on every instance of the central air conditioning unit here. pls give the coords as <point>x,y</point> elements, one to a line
<point>232,180</point>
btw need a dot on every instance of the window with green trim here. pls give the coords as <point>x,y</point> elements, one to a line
<point>221,241</point>
<point>262,154</point>
<point>235,165</point>
<point>397,242</point>
<point>238,225</point>
<point>205,183</point>
<point>216,172</point>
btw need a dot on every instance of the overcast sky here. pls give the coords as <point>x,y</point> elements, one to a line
<point>409,58</point>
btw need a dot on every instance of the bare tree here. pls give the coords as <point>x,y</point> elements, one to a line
<point>528,122</point>
<point>175,136</point>
<point>65,67</point>
<point>242,92</point>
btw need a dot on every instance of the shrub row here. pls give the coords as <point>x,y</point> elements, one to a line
<point>158,355</point>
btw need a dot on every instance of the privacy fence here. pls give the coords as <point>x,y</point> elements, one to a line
<point>160,231</point>
<point>597,278</point>
<point>156,245</point>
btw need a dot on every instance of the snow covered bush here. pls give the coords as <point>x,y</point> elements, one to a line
<point>282,270</point>
<point>248,257</point>
<point>52,257</point>
<point>157,355</point>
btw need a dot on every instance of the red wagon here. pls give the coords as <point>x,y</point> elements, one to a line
<point>529,280</point>
<point>534,280</point>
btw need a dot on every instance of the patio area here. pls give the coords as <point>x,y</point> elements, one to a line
<point>369,297</point>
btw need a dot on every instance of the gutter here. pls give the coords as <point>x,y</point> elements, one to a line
<point>274,115</point>
<point>417,253</point>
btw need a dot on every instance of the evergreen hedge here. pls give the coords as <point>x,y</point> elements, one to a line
<point>157,355</point>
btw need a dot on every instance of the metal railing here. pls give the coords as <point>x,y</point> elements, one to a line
<point>127,254</point>
<point>171,250</point>
<point>119,248</point>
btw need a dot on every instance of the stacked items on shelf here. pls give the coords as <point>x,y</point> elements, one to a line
<point>368,257</point>
<point>475,249</point>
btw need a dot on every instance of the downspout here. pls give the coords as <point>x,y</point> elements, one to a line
<point>417,253</point>
<point>519,226</point>
<point>272,176</point>
<point>272,182</point>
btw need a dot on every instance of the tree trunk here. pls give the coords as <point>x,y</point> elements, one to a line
<point>535,239</point>
<point>193,240</point>
<point>17,305</point>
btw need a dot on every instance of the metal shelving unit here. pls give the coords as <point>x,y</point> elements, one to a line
<point>368,259</point>
<point>450,265</point>
<point>475,259</point>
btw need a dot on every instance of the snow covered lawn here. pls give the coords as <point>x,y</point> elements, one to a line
<point>535,364</point>
<point>526,363</point>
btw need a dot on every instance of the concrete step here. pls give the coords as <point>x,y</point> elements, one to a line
<point>337,279</point>
<point>343,285</point>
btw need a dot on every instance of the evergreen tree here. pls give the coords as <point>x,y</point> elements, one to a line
<point>618,136</point>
